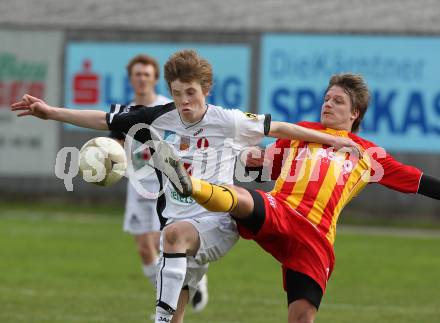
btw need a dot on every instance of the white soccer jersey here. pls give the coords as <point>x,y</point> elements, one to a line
<point>208,148</point>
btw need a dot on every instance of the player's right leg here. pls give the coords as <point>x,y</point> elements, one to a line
<point>188,246</point>
<point>178,240</point>
<point>301,311</point>
<point>304,296</point>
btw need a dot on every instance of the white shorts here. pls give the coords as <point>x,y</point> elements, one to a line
<point>140,213</point>
<point>218,234</point>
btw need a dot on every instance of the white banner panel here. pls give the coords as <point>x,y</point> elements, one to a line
<point>29,63</point>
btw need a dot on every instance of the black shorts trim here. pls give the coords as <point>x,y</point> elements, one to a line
<point>174,255</point>
<point>254,222</point>
<point>301,286</point>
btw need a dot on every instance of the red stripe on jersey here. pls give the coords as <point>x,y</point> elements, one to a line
<point>313,187</point>
<point>289,183</point>
<point>336,195</point>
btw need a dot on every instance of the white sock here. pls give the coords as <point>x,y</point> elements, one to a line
<point>170,276</point>
<point>150,271</point>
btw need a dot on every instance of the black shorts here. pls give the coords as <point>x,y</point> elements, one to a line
<point>301,286</point>
<point>255,220</point>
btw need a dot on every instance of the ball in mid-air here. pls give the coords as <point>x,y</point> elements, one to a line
<point>102,161</point>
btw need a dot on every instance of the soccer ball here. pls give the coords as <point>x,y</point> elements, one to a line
<point>102,161</point>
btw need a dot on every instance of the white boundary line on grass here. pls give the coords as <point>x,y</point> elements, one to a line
<point>388,231</point>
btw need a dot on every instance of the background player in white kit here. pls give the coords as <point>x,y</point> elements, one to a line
<point>207,137</point>
<point>140,218</point>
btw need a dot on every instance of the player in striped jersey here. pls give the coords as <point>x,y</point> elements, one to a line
<point>296,221</point>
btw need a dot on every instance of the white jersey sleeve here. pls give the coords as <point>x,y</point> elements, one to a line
<point>249,128</point>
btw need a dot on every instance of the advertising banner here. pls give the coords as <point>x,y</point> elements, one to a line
<point>29,63</point>
<point>96,74</point>
<point>403,74</point>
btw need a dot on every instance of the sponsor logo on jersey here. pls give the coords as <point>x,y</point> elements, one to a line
<point>167,134</point>
<point>181,200</point>
<point>198,132</point>
<point>252,116</point>
<point>170,137</point>
<point>184,143</point>
<point>325,156</point>
<point>271,200</point>
<point>202,143</point>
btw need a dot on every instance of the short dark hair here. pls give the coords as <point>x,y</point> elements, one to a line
<point>356,88</point>
<point>145,60</point>
<point>187,66</point>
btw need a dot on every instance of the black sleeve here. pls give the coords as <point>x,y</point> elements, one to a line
<point>429,186</point>
<point>119,120</point>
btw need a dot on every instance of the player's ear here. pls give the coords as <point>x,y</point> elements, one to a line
<point>354,114</point>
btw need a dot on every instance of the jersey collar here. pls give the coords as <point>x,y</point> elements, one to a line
<point>189,125</point>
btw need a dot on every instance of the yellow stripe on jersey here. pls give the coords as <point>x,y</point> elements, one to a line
<point>306,171</point>
<point>326,191</point>
<point>356,182</point>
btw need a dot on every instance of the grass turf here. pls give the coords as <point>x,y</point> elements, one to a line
<point>65,264</point>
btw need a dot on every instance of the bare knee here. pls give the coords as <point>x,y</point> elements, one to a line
<point>172,235</point>
<point>180,237</point>
<point>302,311</point>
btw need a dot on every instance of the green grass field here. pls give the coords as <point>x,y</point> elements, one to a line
<point>61,264</point>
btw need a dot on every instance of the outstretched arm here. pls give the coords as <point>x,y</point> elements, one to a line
<point>284,130</point>
<point>32,106</point>
<point>400,177</point>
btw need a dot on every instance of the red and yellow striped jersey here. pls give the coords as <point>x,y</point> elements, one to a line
<point>318,182</point>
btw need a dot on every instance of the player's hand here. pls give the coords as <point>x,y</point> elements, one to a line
<point>31,106</point>
<point>344,144</point>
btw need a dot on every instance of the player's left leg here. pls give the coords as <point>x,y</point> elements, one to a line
<point>301,311</point>
<point>181,305</point>
<point>304,296</point>
<point>201,296</point>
